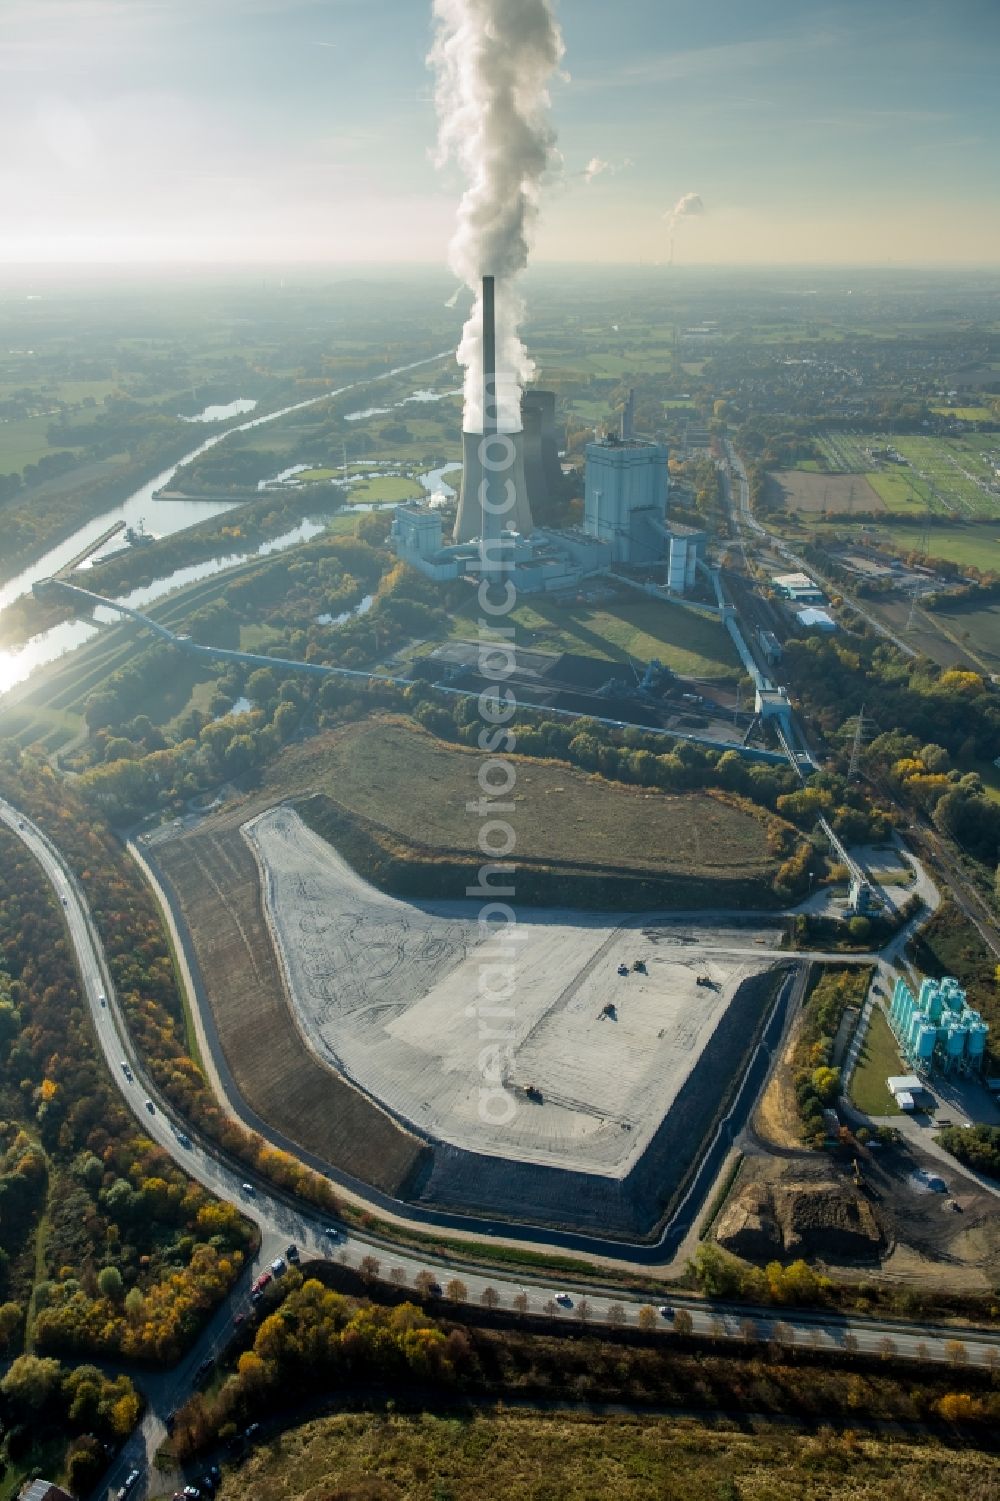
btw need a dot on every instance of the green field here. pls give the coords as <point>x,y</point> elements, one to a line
<point>948,476</point>
<point>640,630</point>
<point>23,441</point>
<point>975,545</point>
<point>901,491</point>
<point>879,1058</point>
<point>385,487</point>
<point>311,476</point>
<point>399,777</point>
<point>966,414</point>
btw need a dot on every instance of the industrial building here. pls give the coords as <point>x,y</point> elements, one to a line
<point>937,1031</point>
<point>546,561</point>
<point>811,618</point>
<point>626,488</point>
<point>625,497</point>
<point>799,588</point>
<point>506,475</point>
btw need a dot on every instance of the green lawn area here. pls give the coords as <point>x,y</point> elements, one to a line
<point>386,487</point>
<point>309,476</point>
<point>965,414</point>
<point>900,491</point>
<point>258,638</point>
<point>879,1058</point>
<point>23,441</point>
<point>641,629</point>
<point>965,543</point>
<point>342,524</point>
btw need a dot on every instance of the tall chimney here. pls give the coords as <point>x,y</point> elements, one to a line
<point>491,524</point>
<point>490,407</point>
<point>473,520</point>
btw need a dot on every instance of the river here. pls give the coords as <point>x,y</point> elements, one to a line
<point>170,515</point>
<point>17,665</point>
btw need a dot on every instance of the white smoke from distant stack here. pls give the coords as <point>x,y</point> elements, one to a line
<point>494,60</point>
<point>687,207</point>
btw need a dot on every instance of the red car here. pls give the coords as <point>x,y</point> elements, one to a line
<point>261,1283</point>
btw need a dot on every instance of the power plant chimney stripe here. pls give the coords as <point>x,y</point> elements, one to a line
<point>491,411</point>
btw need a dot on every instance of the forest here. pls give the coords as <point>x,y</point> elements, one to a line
<point>131,928</point>
<point>311,1340</point>
<point>107,1247</point>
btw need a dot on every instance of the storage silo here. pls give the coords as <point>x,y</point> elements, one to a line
<point>952,994</point>
<point>956,1038</point>
<point>978,1032</point>
<point>913,1026</point>
<point>926,1041</point>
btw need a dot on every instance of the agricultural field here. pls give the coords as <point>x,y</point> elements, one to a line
<point>638,630</point>
<point>966,414</point>
<point>23,441</point>
<point>812,492</point>
<point>946,476</point>
<point>561,815</point>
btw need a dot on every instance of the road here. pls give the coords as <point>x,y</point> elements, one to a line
<point>281,1220</point>
<point>747,519</point>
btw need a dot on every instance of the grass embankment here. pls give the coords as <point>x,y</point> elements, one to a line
<point>539,1456</point>
<point>639,629</point>
<point>399,796</point>
<point>878,1059</point>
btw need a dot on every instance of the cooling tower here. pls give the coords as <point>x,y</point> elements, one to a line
<point>542,472</point>
<point>516,517</point>
<point>499,481</point>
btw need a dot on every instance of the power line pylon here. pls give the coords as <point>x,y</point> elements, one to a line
<point>859,730</point>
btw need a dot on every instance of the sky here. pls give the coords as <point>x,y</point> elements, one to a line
<point>281,131</point>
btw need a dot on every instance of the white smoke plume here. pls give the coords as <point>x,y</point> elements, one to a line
<point>686,207</point>
<point>494,60</point>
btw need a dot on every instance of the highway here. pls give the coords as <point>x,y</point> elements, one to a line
<point>282,1220</point>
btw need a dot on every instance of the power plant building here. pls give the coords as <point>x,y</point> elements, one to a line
<point>542,471</point>
<point>937,1031</point>
<point>506,473</point>
<point>626,487</point>
<point>625,497</point>
<point>548,560</point>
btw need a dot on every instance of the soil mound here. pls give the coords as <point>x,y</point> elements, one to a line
<point>827,1221</point>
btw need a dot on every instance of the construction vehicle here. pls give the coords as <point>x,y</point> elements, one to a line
<point>623,969</point>
<point>639,965</point>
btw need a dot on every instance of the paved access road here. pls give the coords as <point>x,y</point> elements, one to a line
<point>282,1221</point>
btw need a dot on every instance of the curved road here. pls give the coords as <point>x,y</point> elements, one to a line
<point>281,1220</point>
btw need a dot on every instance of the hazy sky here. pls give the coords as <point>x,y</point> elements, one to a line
<point>278,130</point>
